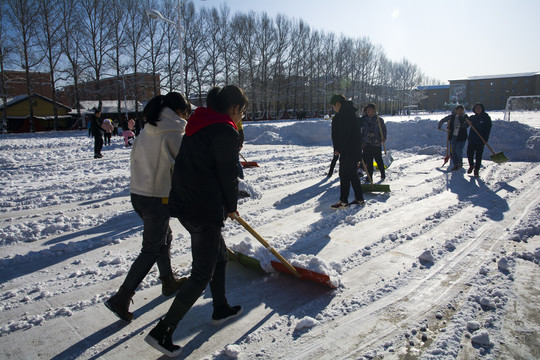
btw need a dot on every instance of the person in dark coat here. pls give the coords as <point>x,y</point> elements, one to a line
<point>457,134</point>
<point>347,141</point>
<point>482,123</point>
<point>373,126</point>
<point>97,133</point>
<point>204,193</point>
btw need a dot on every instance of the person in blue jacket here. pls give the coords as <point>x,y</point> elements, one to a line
<point>482,123</point>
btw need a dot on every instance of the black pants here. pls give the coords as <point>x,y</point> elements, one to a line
<point>371,153</point>
<point>157,238</point>
<point>348,175</point>
<point>98,144</point>
<point>472,150</point>
<point>209,261</point>
<point>108,138</point>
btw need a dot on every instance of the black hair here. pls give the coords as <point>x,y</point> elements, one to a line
<point>173,100</point>
<point>371,106</point>
<point>481,106</point>
<point>337,98</point>
<point>221,99</point>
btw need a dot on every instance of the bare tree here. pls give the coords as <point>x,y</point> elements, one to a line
<point>97,39</point>
<point>6,48</point>
<point>50,43</point>
<point>118,23</point>
<point>71,43</point>
<point>23,14</point>
<point>136,33</point>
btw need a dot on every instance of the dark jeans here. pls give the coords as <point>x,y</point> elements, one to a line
<point>348,175</point>
<point>108,138</point>
<point>209,261</point>
<point>98,144</point>
<point>157,238</point>
<point>473,149</point>
<point>373,153</point>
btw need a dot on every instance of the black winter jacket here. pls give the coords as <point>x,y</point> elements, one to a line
<point>482,123</point>
<point>205,178</point>
<point>347,132</point>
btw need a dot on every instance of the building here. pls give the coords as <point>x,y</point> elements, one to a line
<point>493,90</point>
<point>140,87</point>
<point>435,97</point>
<point>19,120</point>
<point>15,82</point>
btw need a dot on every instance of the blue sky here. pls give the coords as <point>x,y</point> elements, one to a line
<point>447,39</point>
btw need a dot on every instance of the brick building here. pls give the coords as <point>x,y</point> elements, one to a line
<point>15,81</point>
<point>493,90</point>
<point>140,87</point>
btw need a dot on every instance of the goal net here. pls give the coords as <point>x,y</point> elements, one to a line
<point>522,108</point>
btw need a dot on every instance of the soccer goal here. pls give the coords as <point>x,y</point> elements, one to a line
<point>521,108</point>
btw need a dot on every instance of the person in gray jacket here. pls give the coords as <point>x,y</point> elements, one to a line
<point>152,164</point>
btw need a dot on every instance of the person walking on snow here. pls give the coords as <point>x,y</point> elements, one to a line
<point>108,128</point>
<point>347,141</point>
<point>97,133</point>
<point>457,134</point>
<point>204,193</point>
<point>152,164</point>
<point>481,121</point>
<point>372,140</point>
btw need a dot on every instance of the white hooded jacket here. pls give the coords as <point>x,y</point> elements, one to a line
<point>153,155</point>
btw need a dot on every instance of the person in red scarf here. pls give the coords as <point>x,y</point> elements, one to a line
<point>204,193</point>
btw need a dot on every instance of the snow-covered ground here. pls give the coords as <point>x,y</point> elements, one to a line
<point>444,266</point>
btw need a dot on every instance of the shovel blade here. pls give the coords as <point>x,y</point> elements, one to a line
<point>375,188</point>
<point>249,164</point>
<point>446,158</point>
<point>499,158</point>
<point>306,274</point>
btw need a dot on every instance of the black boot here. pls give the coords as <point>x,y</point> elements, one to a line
<point>160,338</point>
<point>224,313</point>
<point>170,284</point>
<point>119,304</point>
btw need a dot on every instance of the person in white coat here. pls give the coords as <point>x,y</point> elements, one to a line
<point>152,164</point>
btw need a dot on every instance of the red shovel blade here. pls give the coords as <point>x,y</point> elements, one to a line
<point>306,274</point>
<point>446,158</point>
<point>248,164</point>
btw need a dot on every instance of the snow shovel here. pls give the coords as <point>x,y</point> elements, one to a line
<point>284,266</point>
<point>371,187</point>
<point>496,157</point>
<point>387,158</point>
<point>244,259</point>
<point>247,164</point>
<point>447,157</point>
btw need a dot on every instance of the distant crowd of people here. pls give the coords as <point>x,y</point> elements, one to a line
<point>102,130</point>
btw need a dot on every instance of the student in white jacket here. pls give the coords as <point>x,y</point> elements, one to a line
<point>152,165</point>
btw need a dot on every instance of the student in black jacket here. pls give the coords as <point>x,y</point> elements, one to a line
<point>204,193</point>
<point>481,121</point>
<point>347,141</point>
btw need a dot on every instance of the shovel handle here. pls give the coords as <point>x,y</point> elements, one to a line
<point>267,245</point>
<point>243,158</point>
<point>484,141</point>
<point>367,172</point>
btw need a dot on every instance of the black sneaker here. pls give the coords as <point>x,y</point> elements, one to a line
<point>358,202</point>
<point>225,313</point>
<point>471,168</point>
<point>160,338</point>
<point>339,205</point>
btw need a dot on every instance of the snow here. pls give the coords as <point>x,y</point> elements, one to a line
<point>444,266</point>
